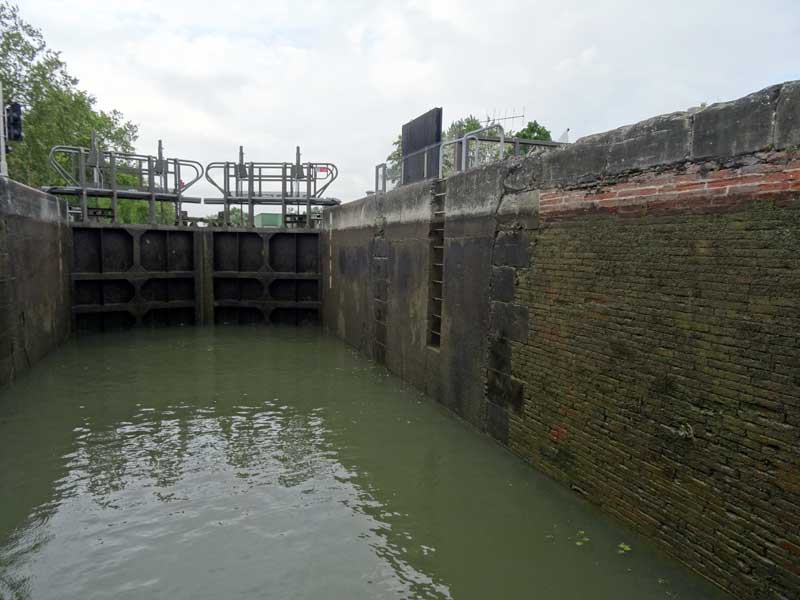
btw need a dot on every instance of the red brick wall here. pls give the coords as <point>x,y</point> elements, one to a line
<point>661,372</point>
<point>697,185</point>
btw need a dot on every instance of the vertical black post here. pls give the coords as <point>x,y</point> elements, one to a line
<point>113,187</point>
<point>309,171</point>
<point>151,185</point>
<point>178,193</point>
<point>251,220</point>
<point>82,179</point>
<point>283,196</point>
<point>226,187</point>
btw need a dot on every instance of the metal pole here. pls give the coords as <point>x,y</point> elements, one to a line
<point>151,184</point>
<point>238,172</point>
<point>251,219</point>
<point>226,194</point>
<point>3,163</point>
<point>179,192</point>
<point>95,164</point>
<point>283,196</point>
<point>82,180</point>
<point>113,187</point>
<point>309,168</point>
<point>164,166</point>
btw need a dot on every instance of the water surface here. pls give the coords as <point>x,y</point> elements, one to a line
<point>268,463</point>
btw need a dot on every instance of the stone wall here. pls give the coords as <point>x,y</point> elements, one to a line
<point>35,250</point>
<point>622,314</point>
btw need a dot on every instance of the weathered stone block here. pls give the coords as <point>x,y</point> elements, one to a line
<point>378,268</point>
<point>504,390</point>
<point>787,117</point>
<point>521,208</point>
<point>582,161</point>
<point>500,355</point>
<point>380,290</point>
<point>380,248</point>
<point>509,321</point>
<point>475,193</point>
<point>511,249</point>
<point>497,422</point>
<point>503,279</point>
<point>661,140</point>
<point>732,128</point>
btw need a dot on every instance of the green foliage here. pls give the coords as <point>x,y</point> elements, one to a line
<point>236,216</point>
<point>533,131</point>
<point>461,127</point>
<point>55,110</point>
<point>393,160</point>
<point>138,211</point>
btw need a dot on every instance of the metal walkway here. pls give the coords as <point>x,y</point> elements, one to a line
<point>96,173</point>
<point>273,184</point>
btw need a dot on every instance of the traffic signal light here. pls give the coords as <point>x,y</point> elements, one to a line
<point>14,122</point>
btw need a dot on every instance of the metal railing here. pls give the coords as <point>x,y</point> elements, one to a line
<point>466,155</point>
<point>95,173</point>
<point>271,183</point>
<point>380,178</point>
<point>473,135</point>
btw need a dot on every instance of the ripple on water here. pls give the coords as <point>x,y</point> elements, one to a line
<point>235,464</point>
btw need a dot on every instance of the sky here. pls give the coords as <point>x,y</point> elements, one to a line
<point>339,78</point>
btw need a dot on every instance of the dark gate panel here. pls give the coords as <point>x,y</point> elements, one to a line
<point>158,276</point>
<point>424,131</point>
<point>266,276</point>
<point>124,276</point>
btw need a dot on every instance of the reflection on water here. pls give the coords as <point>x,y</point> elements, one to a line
<point>225,463</point>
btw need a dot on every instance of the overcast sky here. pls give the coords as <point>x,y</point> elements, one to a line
<point>339,78</point>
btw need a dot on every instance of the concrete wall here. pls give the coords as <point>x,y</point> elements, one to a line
<point>35,248</point>
<point>622,314</point>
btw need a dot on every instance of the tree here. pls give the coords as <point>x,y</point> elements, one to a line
<point>533,131</point>
<point>393,160</point>
<point>56,111</point>
<point>461,127</point>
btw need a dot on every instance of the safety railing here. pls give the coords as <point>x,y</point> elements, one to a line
<point>281,184</point>
<point>95,173</point>
<point>466,153</point>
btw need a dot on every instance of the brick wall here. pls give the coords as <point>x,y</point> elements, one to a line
<point>661,372</point>
<point>624,315</point>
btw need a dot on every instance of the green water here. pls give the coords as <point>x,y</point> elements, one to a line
<point>254,463</point>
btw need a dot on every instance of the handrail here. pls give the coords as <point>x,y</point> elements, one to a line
<point>157,179</point>
<point>473,135</point>
<point>270,172</point>
<point>249,182</point>
<point>114,160</point>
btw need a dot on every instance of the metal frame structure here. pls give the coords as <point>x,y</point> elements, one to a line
<point>250,182</point>
<point>92,172</point>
